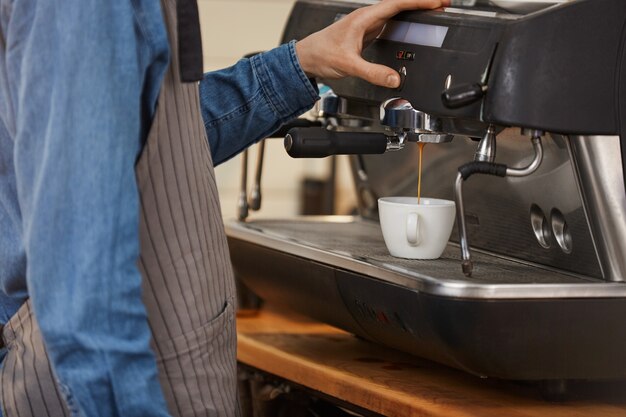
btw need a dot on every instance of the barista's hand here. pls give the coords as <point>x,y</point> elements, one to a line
<point>335,52</point>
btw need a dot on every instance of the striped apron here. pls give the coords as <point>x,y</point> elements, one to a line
<point>188,285</point>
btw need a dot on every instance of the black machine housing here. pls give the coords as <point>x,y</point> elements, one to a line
<point>561,69</point>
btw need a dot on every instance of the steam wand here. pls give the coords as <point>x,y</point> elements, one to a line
<point>242,200</point>
<point>489,168</point>
<point>255,197</point>
<point>245,204</point>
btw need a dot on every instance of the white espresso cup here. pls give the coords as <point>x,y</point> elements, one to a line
<point>416,231</point>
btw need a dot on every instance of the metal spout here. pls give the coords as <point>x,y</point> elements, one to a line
<point>486,151</point>
<point>434,137</point>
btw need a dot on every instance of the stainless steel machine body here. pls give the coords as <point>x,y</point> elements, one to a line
<point>546,297</point>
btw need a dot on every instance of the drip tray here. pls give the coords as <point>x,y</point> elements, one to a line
<point>357,245</point>
<point>510,320</point>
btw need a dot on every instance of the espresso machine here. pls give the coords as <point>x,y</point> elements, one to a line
<point>523,110</point>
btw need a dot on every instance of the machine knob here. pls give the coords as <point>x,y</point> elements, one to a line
<point>463,95</point>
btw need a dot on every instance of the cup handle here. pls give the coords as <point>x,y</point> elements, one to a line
<point>413,229</point>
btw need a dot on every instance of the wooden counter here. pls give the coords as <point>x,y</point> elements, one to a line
<point>392,383</point>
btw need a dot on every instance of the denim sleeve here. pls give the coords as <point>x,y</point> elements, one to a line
<point>252,99</point>
<point>80,68</point>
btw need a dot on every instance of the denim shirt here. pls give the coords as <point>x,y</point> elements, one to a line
<point>79,81</point>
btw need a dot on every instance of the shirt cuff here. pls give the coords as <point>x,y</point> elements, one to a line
<point>287,88</point>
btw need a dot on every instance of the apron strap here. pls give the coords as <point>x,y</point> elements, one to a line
<point>189,41</point>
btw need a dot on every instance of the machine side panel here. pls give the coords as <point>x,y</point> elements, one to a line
<point>559,68</point>
<point>621,100</point>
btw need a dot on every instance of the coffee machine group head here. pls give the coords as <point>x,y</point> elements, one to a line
<point>345,133</point>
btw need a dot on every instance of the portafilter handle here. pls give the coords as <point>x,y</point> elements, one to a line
<point>319,142</point>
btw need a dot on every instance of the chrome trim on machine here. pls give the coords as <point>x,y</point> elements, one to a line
<point>604,198</point>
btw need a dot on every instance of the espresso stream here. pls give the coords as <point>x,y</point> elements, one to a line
<point>419,173</point>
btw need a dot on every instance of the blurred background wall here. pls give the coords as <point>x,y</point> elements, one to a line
<point>230,30</point>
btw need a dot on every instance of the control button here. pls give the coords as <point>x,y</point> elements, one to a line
<point>402,72</point>
<point>540,226</point>
<point>561,231</point>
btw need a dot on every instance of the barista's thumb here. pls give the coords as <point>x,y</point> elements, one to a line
<point>377,74</point>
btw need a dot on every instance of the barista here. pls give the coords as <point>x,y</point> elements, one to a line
<point>116,290</point>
